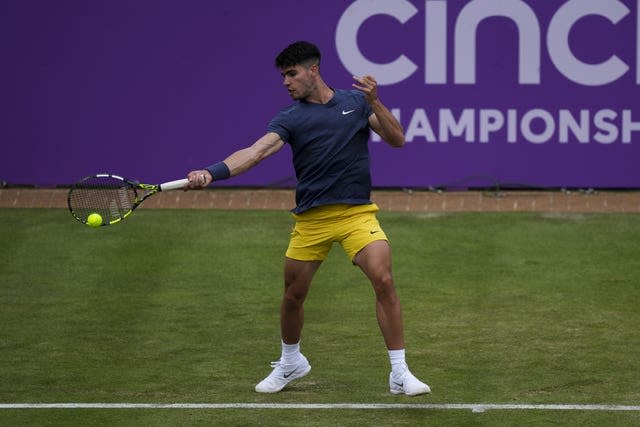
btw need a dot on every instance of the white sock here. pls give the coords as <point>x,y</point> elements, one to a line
<point>290,352</point>
<point>398,364</point>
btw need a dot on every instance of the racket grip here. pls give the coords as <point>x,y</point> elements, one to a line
<point>173,185</point>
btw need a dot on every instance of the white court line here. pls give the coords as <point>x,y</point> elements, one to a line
<point>474,407</point>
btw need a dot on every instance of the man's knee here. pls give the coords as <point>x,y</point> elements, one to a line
<point>293,298</point>
<point>384,286</point>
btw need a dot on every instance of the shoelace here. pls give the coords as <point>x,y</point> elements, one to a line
<point>283,366</point>
<point>277,363</point>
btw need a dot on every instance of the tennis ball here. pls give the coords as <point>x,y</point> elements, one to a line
<point>94,220</point>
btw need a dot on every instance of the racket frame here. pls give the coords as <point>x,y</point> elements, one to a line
<point>150,190</point>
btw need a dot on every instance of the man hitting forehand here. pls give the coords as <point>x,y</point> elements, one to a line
<point>328,132</point>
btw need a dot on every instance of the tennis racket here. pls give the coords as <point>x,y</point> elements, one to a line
<point>112,197</point>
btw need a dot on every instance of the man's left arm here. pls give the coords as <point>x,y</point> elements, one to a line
<point>381,121</point>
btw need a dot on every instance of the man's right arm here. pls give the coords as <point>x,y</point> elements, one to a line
<point>239,161</point>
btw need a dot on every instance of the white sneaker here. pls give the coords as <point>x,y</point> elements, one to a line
<point>407,384</point>
<point>283,374</point>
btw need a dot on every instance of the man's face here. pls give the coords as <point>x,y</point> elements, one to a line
<point>299,80</point>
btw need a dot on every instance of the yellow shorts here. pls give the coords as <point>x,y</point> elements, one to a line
<point>315,231</point>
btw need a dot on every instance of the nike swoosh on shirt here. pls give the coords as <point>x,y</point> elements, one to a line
<point>344,113</point>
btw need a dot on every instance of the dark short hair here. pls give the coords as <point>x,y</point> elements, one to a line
<point>298,53</point>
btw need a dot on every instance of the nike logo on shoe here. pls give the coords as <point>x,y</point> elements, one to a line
<point>290,373</point>
<point>344,113</point>
<point>279,377</point>
<point>408,384</point>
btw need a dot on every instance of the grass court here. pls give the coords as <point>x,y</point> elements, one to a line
<point>181,307</point>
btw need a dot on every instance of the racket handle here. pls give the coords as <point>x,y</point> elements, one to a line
<point>173,185</point>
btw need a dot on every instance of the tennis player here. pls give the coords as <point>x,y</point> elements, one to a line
<point>328,132</point>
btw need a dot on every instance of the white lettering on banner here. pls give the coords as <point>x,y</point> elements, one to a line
<point>535,126</point>
<point>608,130</point>
<point>435,55</point>
<point>450,126</point>
<point>560,51</point>
<point>467,22</point>
<point>465,38</point>
<point>490,121</point>
<point>347,40</point>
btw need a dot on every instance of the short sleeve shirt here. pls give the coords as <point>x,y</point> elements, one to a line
<point>330,149</point>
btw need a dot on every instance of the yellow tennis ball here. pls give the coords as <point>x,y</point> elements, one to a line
<point>94,220</point>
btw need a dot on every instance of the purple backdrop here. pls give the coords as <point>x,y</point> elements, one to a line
<point>536,92</point>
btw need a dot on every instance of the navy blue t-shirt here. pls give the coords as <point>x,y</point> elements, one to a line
<point>330,149</point>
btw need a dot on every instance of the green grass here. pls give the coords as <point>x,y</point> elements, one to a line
<point>182,306</point>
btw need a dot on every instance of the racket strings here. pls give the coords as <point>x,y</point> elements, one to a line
<point>110,197</point>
